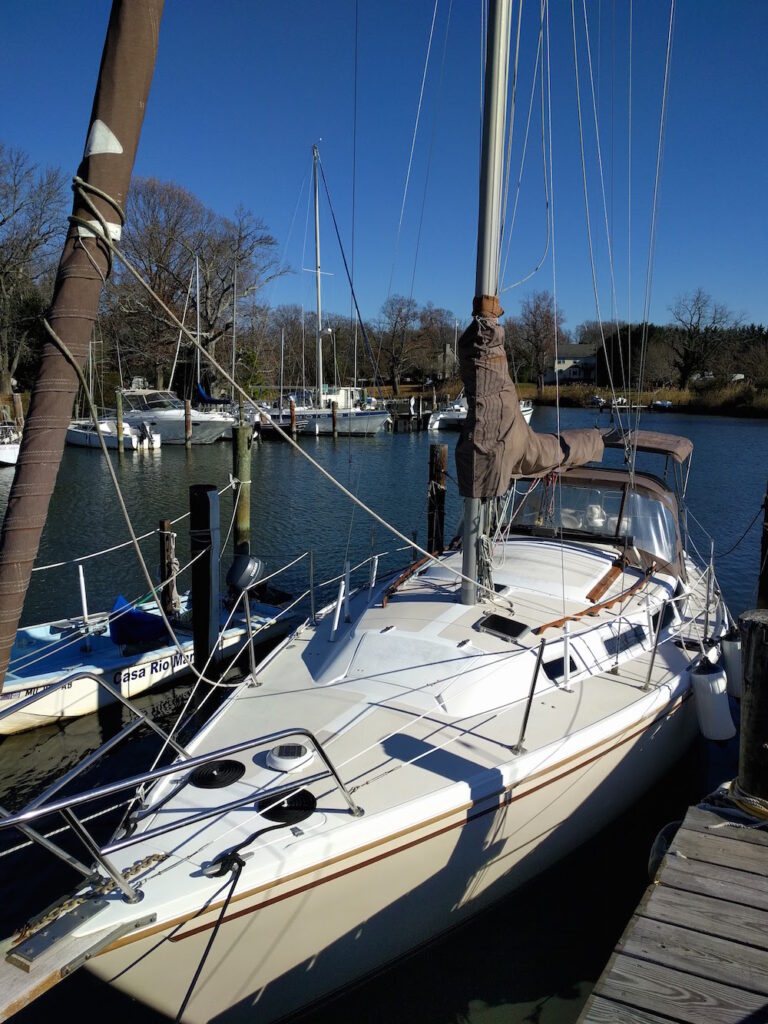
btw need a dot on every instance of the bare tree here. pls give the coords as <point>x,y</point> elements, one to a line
<point>699,323</point>
<point>531,335</point>
<point>398,340</point>
<point>173,239</point>
<point>32,222</point>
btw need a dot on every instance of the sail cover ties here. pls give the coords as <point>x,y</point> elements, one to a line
<point>496,444</point>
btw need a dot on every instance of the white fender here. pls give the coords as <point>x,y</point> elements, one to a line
<point>710,693</point>
<point>730,645</point>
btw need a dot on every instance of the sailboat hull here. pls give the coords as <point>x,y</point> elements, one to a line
<point>289,944</point>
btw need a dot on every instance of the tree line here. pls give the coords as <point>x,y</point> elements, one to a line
<point>211,271</point>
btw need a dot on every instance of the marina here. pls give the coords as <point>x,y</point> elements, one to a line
<point>374,465</point>
<point>378,694</point>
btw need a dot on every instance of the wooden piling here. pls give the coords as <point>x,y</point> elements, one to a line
<point>753,748</point>
<point>293,418</point>
<point>762,583</point>
<point>242,438</point>
<point>18,411</point>
<point>169,597</point>
<point>205,542</point>
<point>119,415</point>
<point>334,414</point>
<point>187,422</point>
<point>438,461</point>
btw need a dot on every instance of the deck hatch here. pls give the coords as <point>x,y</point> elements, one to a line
<point>502,627</point>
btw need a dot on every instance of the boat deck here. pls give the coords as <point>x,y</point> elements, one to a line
<point>697,946</point>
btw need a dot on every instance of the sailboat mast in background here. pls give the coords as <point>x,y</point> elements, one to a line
<point>319,326</point>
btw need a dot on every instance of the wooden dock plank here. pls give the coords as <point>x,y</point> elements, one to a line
<point>705,914</point>
<point>718,881</point>
<point>720,849</point>
<point>723,960</point>
<point>697,947</point>
<point>697,819</point>
<point>605,1011</point>
<point>680,996</point>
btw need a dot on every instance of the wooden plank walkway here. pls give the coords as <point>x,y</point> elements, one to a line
<point>696,949</point>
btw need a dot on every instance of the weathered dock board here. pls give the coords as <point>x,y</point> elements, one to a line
<point>696,949</point>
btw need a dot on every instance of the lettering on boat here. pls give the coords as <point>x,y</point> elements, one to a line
<point>158,667</point>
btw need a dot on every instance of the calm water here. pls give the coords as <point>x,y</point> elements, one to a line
<point>534,957</point>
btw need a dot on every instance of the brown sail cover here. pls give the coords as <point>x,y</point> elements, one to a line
<point>496,443</point>
<point>125,75</point>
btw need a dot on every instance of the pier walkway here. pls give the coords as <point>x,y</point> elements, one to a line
<point>696,949</point>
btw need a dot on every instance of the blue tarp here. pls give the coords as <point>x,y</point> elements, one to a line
<point>134,626</point>
<point>206,399</point>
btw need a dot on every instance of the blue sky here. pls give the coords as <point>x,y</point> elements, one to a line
<point>243,89</point>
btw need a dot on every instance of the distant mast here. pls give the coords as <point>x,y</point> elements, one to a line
<point>122,90</point>
<point>319,342</point>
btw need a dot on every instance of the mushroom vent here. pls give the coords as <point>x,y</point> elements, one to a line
<point>289,757</point>
<point>217,774</point>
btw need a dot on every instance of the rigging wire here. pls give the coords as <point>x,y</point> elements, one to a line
<point>413,146</point>
<point>616,407</point>
<point>545,4</point>
<point>538,69</point>
<point>614,305</point>
<point>431,147</point>
<point>656,191</point>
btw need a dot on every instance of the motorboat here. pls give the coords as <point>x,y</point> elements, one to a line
<point>83,434</point>
<point>163,413</point>
<point>10,442</point>
<point>453,417</point>
<point>74,666</point>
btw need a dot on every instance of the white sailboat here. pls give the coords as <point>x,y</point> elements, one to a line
<point>427,742</point>
<point>354,416</point>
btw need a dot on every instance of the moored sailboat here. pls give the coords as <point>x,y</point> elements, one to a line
<point>425,743</point>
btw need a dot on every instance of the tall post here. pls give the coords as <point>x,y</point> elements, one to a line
<point>293,418</point>
<point>187,423</point>
<point>18,411</point>
<point>119,414</point>
<point>242,437</point>
<point>234,330</point>
<point>438,461</point>
<point>169,597</point>
<point>488,230</point>
<point>335,418</point>
<point>753,749</point>
<point>114,126</point>
<point>319,325</point>
<point>762,583</point>
<point>205,542</point>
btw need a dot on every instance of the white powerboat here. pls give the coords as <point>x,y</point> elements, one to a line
<point>10,443</point>
<point>64,664</point>
<point>453,417</point>
<point>83,434</point>
<point>164,414</point>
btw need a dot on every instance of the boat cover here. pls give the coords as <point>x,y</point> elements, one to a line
<point>132,625</point>
<point>496,444</point>
<point>677,448</point>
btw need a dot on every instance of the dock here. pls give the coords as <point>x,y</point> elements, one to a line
<point>696,948</point>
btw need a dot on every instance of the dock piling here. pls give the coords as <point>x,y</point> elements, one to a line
<point>205,544</point>
<point>242,438</point>
<point>438,461</point>
<point>753,740</point>
<point>119,414</point>
<point>187,423</point>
